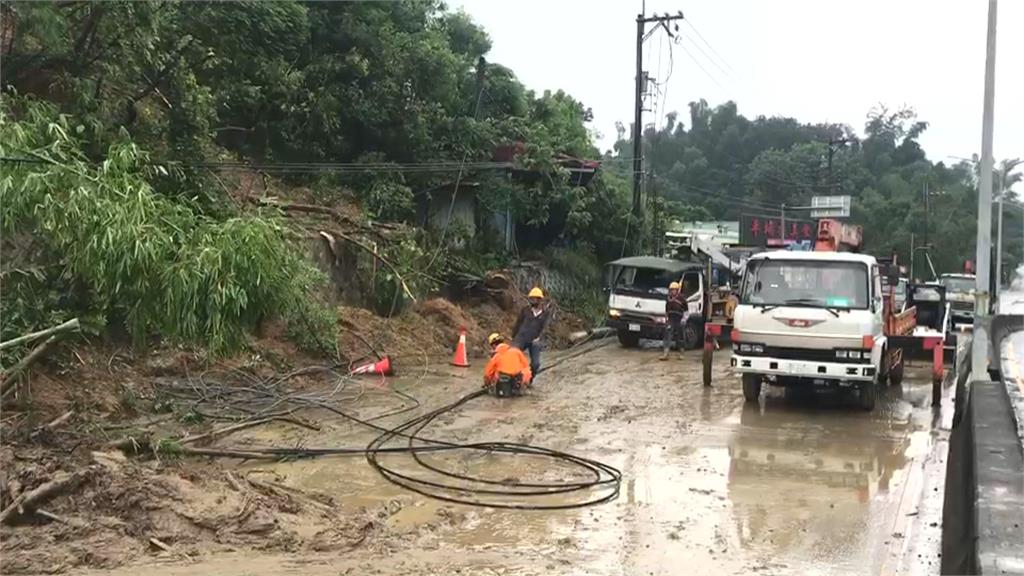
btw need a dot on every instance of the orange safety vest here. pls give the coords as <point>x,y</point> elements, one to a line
<point>509,361</point>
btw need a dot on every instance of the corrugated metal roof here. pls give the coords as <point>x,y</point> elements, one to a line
<point>655,262</point>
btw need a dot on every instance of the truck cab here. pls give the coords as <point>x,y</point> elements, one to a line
<point>810,319</point>
<point>637,290</point>
<point>960,289</point>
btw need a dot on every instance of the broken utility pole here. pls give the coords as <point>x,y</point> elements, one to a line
<point>641,80</point>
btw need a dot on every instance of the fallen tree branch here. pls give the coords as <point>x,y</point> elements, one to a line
<point>288,492</point>
<point>373,251</point>
<point>242,426</point>
<point>130,444</point>
<point>168,548</point>
<point>56,422</point>
<point>234,482</point>
<point>141,445</point>
<point>27,501</point>
<point>7,386</point>
<point>51,516</point>
<point>65,327</point>
<point>226,453</point>
<point>161,545</point>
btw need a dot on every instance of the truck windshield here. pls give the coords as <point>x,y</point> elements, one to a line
<point>954,284</point>
<point>806,283</point>
<point>645,280</point>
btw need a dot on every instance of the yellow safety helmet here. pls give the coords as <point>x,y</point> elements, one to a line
<point>536,292</point>
<point>675,286</point>
<point>494,338</point>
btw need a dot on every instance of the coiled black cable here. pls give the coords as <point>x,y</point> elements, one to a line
<point>459,488</point>
<point>604,478</point>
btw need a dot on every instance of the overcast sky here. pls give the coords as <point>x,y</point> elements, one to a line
<point>814,60</point>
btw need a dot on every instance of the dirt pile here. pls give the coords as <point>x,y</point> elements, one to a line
<point>431,327</point>
<point>124,509</point>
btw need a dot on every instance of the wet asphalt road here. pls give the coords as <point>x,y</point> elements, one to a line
<point>711,484</point>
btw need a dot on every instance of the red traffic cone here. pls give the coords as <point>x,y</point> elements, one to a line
<point>382,367</point>
<point>461,359</point>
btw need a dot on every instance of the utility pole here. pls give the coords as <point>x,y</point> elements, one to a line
<point>927,212</point>
<point>832,149</point>
<point>642,20</point>
<point>979,350</point>
<point>638,165</point>
<point>912,257</point>
<point>656,209</point>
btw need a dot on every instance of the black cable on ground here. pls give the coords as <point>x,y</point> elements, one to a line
<point>258,396</point>
<point>603,476</point>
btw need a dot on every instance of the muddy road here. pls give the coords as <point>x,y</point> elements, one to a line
<point>710,485</point>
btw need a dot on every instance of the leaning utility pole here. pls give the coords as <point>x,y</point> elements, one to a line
<point>979,350</point>
<point>638,165</point>
<point>642,20</point>
<point>832,149</point>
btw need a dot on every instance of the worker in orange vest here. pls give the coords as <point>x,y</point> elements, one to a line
<point>508,371</point>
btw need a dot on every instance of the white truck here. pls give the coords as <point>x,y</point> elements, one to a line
<point>811,319</point>
<point>637,291</point>
<point>960,295</point>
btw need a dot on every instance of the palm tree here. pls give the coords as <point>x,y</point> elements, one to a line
<point>1005,177</point>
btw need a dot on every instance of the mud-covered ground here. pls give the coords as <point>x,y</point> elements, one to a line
<point>710,485</point>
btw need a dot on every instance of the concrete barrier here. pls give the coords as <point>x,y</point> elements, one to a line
<point>983,510</point>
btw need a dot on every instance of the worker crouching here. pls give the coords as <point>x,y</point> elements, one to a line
<point>508,371</point>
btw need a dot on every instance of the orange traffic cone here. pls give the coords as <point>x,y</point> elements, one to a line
<point>460,358</point>
<point>382,367</point>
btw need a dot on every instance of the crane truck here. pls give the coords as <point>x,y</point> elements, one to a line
<point>820,318</point>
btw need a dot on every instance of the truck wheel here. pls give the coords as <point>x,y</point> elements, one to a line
<point>896,374</point>
<point>751,387</point>
<point>866,396</point>
<point>691,336</point>
<point>628,339</point>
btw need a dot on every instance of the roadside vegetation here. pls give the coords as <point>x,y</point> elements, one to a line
<point>129,127</point>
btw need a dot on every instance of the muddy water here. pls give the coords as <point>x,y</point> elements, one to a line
<point>711,485</point>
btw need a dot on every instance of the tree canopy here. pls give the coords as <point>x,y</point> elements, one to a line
<point>380,103</point>
<point>726,165</point>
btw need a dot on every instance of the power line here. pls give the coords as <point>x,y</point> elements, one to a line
<point>697,191</point>
<point>706,43</point>
<point>302,166</point>
<point>701,66</point>
<point>710,59</point>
